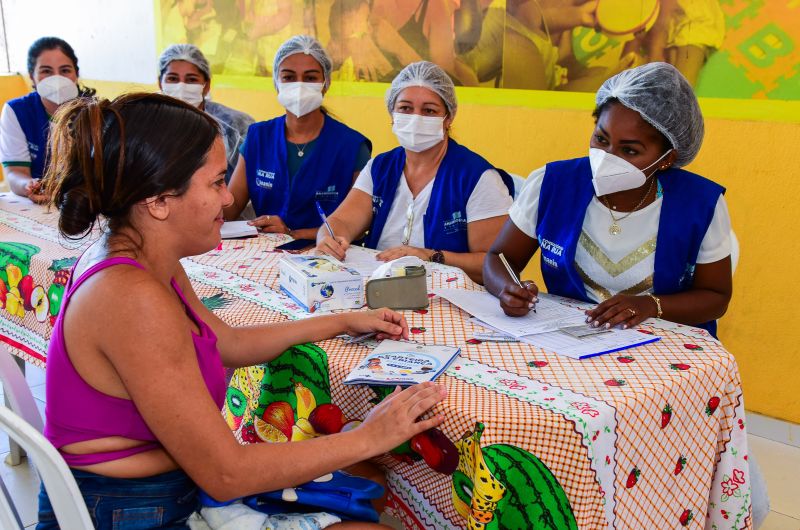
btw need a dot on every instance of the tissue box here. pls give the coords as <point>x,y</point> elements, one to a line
<point>321,283</point>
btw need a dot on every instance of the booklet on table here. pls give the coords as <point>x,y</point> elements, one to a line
<point>396,362</point>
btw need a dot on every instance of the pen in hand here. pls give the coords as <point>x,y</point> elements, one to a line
<point>324,219</point>
<point>512,273</point>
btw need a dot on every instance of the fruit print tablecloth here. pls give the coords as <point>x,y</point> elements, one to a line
<point>653,437</point>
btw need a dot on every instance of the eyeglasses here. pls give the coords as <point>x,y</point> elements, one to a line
<point>409,223</point>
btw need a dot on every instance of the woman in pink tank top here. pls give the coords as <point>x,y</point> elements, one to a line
<point>135,377</point>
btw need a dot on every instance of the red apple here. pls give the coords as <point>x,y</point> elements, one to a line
<point>327,419</point>
<point>25,290</point>
<point>3,291</point>
<point>437,450</point>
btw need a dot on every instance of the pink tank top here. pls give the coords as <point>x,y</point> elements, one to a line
<point>77,412</point>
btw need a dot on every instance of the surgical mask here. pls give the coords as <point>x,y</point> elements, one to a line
<point>611,173</point>
<point>57,89</point>
<point>300,98</point>
<point>417,133</point>
<point>191,93</point>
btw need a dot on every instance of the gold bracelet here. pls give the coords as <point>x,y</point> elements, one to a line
<point>657,300</point>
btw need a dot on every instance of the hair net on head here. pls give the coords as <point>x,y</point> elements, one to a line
<point>424,74</point>
<point>307,45</point>
<point>664,99</point>
<point>183,52</point>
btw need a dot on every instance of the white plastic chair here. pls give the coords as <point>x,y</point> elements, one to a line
<point>61,487</point>
<point>18,397</point>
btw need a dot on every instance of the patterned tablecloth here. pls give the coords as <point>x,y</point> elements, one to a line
<point>649,438</point>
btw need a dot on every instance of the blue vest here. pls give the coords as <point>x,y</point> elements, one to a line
<point>687,209</point>
<point>325,176</point>
<point>446,217</point>
<point>35,123</point>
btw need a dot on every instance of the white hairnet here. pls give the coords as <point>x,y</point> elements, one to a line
<point>424,74</point>
<point>307,45</point>
<point>183,52</point>
<point>664,99</point>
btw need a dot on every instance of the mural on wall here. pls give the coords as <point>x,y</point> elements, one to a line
<point>726,48</point>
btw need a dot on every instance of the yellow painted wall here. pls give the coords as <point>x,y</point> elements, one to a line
<point>750,147</point>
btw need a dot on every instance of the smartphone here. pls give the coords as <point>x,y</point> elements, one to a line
<point>297,244</point>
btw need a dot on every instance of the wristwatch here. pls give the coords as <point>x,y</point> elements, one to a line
<point>437,257</point>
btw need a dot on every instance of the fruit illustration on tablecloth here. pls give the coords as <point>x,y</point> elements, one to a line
<point>615,382</point>
<point>327,419</point>
<point>26,287</point>
<point>712,405</point>
<point>14,299</point>
<point>18,255</point>
<point>268,432</point>
<point>235,406</point>
<point>692,347</point>
<point>40,303</point>
<point>679,366</point>
<point>3,293</point>
<point>537,364</point>
<point>679,465</point>
<point>437,450</point>
<point>633,477</point>
<point>281,416</point>
<point>249,434</point>
<point>666,415</point>
<point>502,486</point>
<point>686,517</point>
<point>215,302</point>
<point>418,330</point>
<point>625,359</point>
<point>62,269</point>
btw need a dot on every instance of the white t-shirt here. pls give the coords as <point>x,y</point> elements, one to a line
<point>623,263</point>
<point>13,142</point>
<point>490,198</point>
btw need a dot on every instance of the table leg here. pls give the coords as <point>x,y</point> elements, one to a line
<point>15,454</point>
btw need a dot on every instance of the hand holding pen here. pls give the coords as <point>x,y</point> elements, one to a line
<point>518,298</point>
<point>333,246</point>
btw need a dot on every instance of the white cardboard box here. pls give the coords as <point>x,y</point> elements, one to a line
<point>318,283</point>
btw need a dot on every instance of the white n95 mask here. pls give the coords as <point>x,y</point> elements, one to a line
<point>611,173</point>
<point>191,93</point>
<point>300,98</point>
<point>57,89</point>
<point>417,133</point>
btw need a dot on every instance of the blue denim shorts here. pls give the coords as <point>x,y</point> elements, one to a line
<point>161,501</point>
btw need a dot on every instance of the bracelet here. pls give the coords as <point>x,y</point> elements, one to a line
<point>657,300</point>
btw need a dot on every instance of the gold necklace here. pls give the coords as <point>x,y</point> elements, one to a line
<point>615,229</point>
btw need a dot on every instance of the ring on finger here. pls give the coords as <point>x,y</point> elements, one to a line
<point>632,311</point>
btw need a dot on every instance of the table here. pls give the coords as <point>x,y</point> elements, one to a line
<point>652,437</point>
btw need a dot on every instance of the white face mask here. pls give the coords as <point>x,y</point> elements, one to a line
<point>191,93</point>
<point>300,98</point>
<point>57,89</point>
<point>611,173</point>
<point>417,133</point>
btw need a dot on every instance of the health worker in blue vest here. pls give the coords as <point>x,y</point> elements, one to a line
<point>305,156</point>
<point>184,73</point>
<point>625,227</point>
<point>25,121</point>
<point>431,197</point>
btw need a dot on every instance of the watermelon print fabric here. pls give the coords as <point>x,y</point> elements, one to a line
<point>652,437</point>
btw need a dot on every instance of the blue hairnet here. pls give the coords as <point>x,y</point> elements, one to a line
<point>427,75</point>
<point>665,100</point>
<point>307,45</point>
<point>183,52</point>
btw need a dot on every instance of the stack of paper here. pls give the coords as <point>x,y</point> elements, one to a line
<point>554,327</point>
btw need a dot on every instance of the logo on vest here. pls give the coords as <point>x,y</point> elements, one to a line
<point>456,223</point>
<point>264,179</point>
<point>34,150</point>
<point>329,194</point>
<point>377,203</point>
<point>549,246</point>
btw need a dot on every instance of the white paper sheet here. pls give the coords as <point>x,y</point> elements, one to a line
<point>549,316</point>
<point>236,229</point>
<point>363,260</point>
